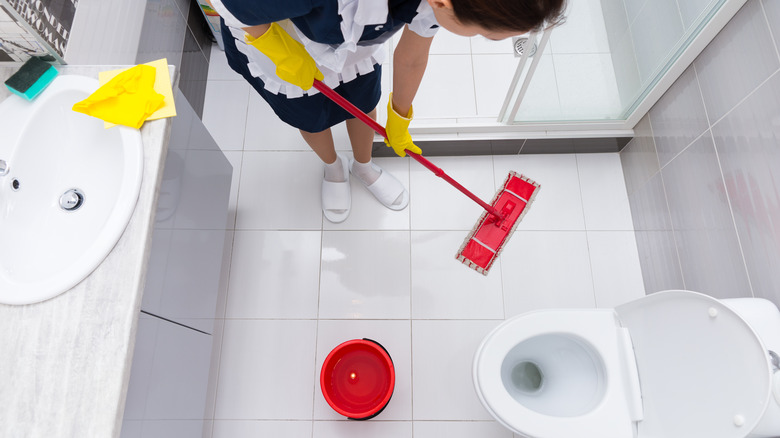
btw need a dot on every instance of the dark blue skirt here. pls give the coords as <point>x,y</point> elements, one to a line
<point>309,113</point>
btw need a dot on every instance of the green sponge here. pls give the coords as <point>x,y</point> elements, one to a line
<point>32,78</point>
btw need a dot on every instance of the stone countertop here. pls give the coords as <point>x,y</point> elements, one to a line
<point>65,362</point>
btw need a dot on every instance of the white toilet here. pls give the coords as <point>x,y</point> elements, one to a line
<point>673,364</point>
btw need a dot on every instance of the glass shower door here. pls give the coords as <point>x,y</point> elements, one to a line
<point>611,60</point>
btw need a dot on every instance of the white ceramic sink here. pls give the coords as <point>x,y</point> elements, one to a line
<point>50,150</point>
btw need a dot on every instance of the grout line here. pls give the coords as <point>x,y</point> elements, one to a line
<point>741,101</point>
<point>733,218</point>
<point>668,207</point>
<point>769,25</point>
<point>720,166</point>
<point>317,331</point>
<point>587,230</point>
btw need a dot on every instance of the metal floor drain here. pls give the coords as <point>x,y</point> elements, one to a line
<point>521,44</point>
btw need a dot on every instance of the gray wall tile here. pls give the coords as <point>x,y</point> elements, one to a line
<point>679,117</point>
<point>772,9</point>
<point>727,245</point>
<point>706,239</point>
<point>748,143</point>
<point>737,61</point>
<point>659,261</point>
<point>649,209</point>
<point>639,158</point>
<point>654,237</point>
<point>162,35</point>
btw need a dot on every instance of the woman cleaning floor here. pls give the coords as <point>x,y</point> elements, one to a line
<point>281,46</point>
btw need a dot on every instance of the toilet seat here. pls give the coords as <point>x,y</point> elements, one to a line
<point>693,350</point>
<point>613,413</point>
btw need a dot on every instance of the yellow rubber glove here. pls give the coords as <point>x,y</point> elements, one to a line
<point>397,128</point>
<point>128,99</point>
<point>293,62</point>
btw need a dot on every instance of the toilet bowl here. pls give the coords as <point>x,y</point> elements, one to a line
<point>671,364</point>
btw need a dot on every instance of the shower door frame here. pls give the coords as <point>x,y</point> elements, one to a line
<point>587,129</point>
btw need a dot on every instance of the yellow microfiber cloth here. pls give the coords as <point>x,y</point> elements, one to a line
<point>128,99</point>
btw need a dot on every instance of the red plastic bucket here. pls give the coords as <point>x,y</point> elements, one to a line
<point>358,378</point>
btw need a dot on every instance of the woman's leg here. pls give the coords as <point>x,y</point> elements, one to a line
<point>336,197</point>
<point>322,144</point>
<point>362,138</point>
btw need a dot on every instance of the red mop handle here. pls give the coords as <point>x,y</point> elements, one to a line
<point>355,111</point>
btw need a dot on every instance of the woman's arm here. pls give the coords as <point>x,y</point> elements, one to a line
<point>409,61</point>
<point>257,31</point>
<point>253,31</point>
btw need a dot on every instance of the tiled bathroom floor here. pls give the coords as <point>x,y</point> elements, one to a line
<point>299,285</point>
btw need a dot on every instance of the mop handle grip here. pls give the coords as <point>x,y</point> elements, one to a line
<point>355,111</point>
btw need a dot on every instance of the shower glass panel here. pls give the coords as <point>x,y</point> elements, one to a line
<point>605,59</point>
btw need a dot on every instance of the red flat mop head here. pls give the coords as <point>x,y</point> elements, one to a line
<point>485,242</point>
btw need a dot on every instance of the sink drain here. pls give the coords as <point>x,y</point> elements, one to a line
<point>15,184</point>
<point>72,200</point>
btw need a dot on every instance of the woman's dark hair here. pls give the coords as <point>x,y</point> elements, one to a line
<point>509,15</point>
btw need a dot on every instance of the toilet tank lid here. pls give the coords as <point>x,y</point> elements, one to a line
<point>703,371</point>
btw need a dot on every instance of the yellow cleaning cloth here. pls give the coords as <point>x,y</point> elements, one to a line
<point>127,99</point>
<point>162,85</point>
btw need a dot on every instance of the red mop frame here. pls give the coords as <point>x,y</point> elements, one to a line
<point>483,244</point>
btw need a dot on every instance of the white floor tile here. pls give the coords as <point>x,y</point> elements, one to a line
<point>395,337</point>
<point>444,288</point>
<point>492,78</point>
<point>584,30</point>
<point>280,191</point>
<point>267,370</point>
<point>368,213</point>
<point>225,113</point>
<point>436,205</point>
<point>275,274</point>
<point>442,353</point>
<point>587,86</point>
<point>447,43</point>
<point>266,132</point>
<point>558,204</point>
<point>447,89</point>
<point>460,429</point>
<point>617,275</point>
<point>546,269</point>
<point>255,429</point>
<point>365,275</point>
<point>604,196</point>
<point>541,101</point>
<point>219,70</point>
<point>483,46</point>
<point>372,428</point>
